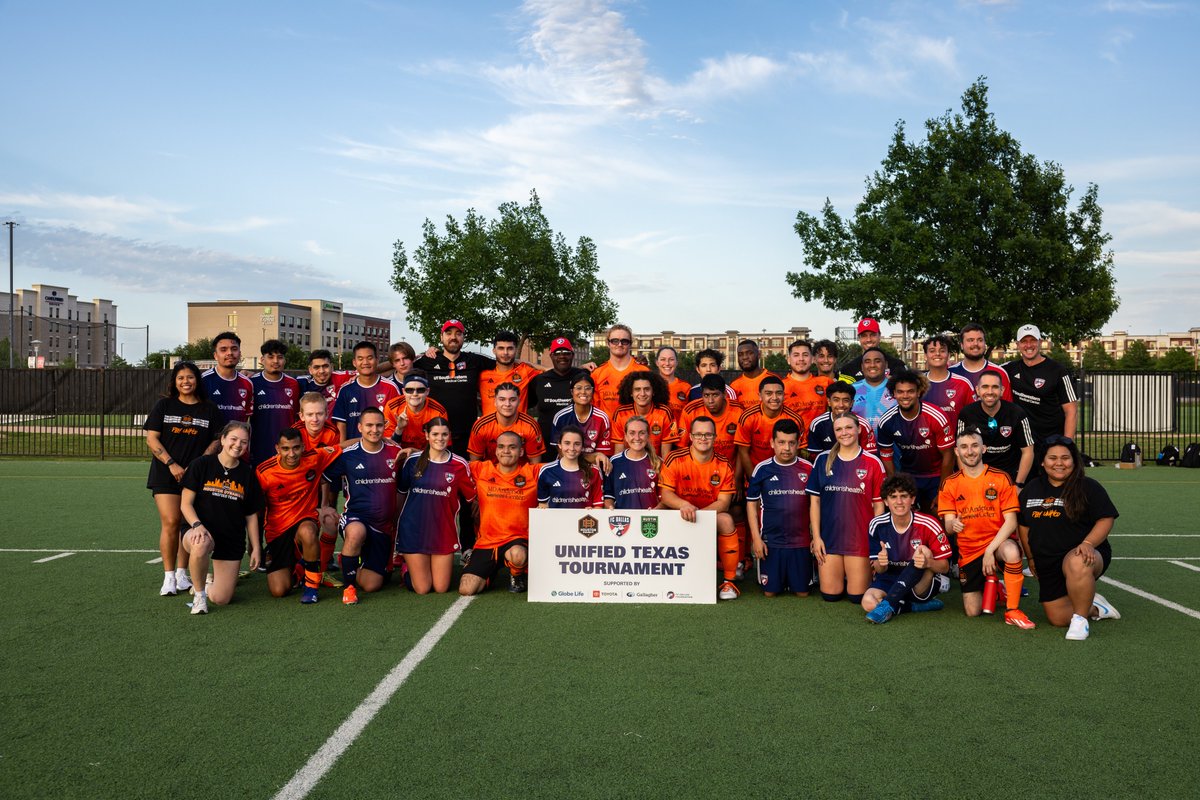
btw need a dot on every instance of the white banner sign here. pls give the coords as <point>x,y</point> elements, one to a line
<point>620,556</point>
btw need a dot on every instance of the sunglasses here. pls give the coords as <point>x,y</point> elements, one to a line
<point>415,390</point>
<point>625,342</point>
<point>1060,439</point>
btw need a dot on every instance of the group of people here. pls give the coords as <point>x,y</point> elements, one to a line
<point>863,478</point>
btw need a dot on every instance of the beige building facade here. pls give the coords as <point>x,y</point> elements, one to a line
<point>51,326</point>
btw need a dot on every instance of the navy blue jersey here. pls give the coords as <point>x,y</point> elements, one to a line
<point>922,529</point>
<point>233,396</point>
<point>631,484</point>
<point>369,482</point>
<point>781,490</point>
<point>559,487</point>
<point>353,398</point>
<point>915,445</point>
<point>276,407</point>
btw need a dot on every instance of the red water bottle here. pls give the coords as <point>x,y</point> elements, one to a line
<point>990,588</point>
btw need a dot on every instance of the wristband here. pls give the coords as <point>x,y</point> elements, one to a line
<point>196,524</point>
<point>170,461</point>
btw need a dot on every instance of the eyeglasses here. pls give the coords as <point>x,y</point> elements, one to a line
<point>415,390</point>
<point>625,342</point>
<point>1060,439</point>
<point>704,436</point>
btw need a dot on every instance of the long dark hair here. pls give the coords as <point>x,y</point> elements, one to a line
<point>173,390</point>
<point>423,461</point>
<point>1073,494</point>
<point>584,466</point>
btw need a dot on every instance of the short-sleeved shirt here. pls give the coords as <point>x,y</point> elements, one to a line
<point>519,374</point>
<point>337,379</point>
<point>276,406</point>
<point>806,397</point>
<point>847,497</point>
<point>1004,435</point>
<point>960,369</point>
<point>922,529</point>
<point>354,398</point>
<point>951,395</point>
<point>755,431</point>
<point>429,520</point>
<point>608,380</point>
<point>700,484</point>
<point>487,430</point>
<point>292,495</point>
<point>597,430</point>
<point>550,394</point>
<point>455,384</point>
<point>660,419</point>
<point>369,482</point>
<point>853,367</point>
<point>725,444</point>
<point>1042,390</point>
<point>224,497</point>
<point>746,389</point>
<point>413,434</point>
<point>1052,534</point>
<point>696,392</point>
<point>677,394</point>
<point>185,430</point>
<point>233,396</point>
<point>980,504</point>
<point>781,490</point>
<point>916,445</point>
<point>559,487</point>
<point>870,402</point>
<point>504,502</point>
<point>328,436</point>
<point>821,438</point>
<point>631,483</point>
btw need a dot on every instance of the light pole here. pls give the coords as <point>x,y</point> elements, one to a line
<point>37,349</point>
<point>12,295</point>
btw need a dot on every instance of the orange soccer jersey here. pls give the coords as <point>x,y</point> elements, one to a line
<point>677,394</point>
<point>412,435</point>
<point>727,427</point>
<point>747,388</point>
<point>660,419</point>
<point>328,436</point>
<point>488,428</point>
<point>699,484</point>
<point>981,504</point>
<point>519,374</point>
<point>504,502</point>
<point>292,495</point>
<point>608,379</point>
<point>754,431</point>
<point>807,397</point>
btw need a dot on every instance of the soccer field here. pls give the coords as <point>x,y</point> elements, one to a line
<point>108,690</point>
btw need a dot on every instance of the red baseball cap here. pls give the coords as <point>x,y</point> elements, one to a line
<point>866,324</point>
<point>453,323</point>
<point>561,343</point>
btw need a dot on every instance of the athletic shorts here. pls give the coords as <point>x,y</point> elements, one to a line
<point>1052,584</point>
<point>785,568</point>
<point>486,561</point>
<point>229,547</point>
<point>156,490</point>
<point>885,581</point>
<point>376,553</point>
<point>283,552</point>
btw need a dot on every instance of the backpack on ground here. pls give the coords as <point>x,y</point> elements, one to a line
<point>1191,456</point>
<point>1130,453</point>
<point>1168,456</point>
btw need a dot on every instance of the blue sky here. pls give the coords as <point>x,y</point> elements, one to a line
<point>156,153</point>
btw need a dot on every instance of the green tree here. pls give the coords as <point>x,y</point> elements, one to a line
<point>776,362</point>
<point>18,359</point>
<point>1136,357</point>
<point>346,359</point>
<point>1060,354</point>
<point>963,226</point>
<point>1096,358</point>
<point>686,362</point>
<point>67,363</point>
<point>118,362</point>
<point>296,358</point>
<point>512,273</point>
<point>600,354</point>
<point>1177,359</point>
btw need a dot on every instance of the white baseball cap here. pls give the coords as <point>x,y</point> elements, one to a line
<point>1029,330</point>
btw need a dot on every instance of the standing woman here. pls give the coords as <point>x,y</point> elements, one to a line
<point>220,504</point>
<point>1064,522</point>
<point>435,484</point>
<point>632,482</point>
<point>845,486</point>
<point>182,427</point>
<point>667,361</point>
<point>570,482</point>
<point>592,422</point>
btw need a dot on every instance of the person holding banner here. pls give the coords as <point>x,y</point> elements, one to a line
<point>697,479</point>
<point>434,484</point>
<point>631,482</point>
<point>845,489</point>
<point>570,482</point>
<point>777,509</point>
<point>506,490</point>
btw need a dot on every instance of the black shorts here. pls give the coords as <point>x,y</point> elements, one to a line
<point>228,547</point>
<point>971,577</point>
<point>377,547</point>
<point>486,561</point>
<point>283,552</point>
<point>1052,584</point>
<point>175,490</point>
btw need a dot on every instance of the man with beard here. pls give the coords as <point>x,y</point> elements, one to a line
<point>750,363</point>
<point>973,341</point>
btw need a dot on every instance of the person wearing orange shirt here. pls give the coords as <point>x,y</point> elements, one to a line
<point>507,370</point>
<point>715,404</point>
<point>318,431</point>
<point>644,394</point>
<point>978,505</point>
<point>697,479</point>
<point>505,491</point>
<point>291,486</point>
<point>506,418</point>
<point>804,392</point>
<point>746,385</point>
<point>756,424</point>
<point>405,417</point>
<point>667,361</point>
<point>608,376</point>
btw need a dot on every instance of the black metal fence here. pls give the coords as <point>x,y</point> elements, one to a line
<point>1152,409</point>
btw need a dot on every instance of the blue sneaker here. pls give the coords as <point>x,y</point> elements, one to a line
<point>308,596</point>
<point>881,613</point>
<point>926,605</point>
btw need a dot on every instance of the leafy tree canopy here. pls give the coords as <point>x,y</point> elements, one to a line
<point>1177,359</point>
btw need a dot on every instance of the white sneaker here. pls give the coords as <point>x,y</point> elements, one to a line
<point>1078,631</point>
<point>169,589</point>
<point>200,604</point>
<point>1027,572</point>
<point>1104,609</point>
<point>182,581</point>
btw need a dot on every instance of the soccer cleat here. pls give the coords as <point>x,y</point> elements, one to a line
<point>350,596</point>
<point>881,613</point>
<point>200,604</point>
<point>1018,617</point>
<point>517,584</point>
<point>308,596</point>
<point>169,588</point>
<point>933,604</point>
<point>728,591</point>
<point>1103,608</point>
<point>330,582</point>
<point>182,581</point>
<point>1027,572</point>
<point>1078,630</point>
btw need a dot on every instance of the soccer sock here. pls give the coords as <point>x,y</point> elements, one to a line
<point>742,533</point>
<point>328,542</point>
<point>855,599</point>
<point>727,554</point>
<point>349,569</point>
<point>833,598</point>
<point>513,569</point>
<point>312,574</point>
<point>900,594</point>
<point>1014,579</point>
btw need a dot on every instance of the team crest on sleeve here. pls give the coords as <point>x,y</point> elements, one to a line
<point>589,526</point>
<point>1039,383</point>
<point>619,525</point>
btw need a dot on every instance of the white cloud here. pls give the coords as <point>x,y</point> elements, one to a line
<point>315,248</point>
<point>1150,218</point>
<point>894,57</point>
<point>645,243</point>
<point>1139,7</point>
<point>115,214</point>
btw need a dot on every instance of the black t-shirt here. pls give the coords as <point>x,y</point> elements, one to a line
<point>1042,390</point>
<point>224,497</point>
<point>455,384</point>
<point>854,366</point>
<point>550,393</point>
<point>1052,533</point>
<point>1004,435</point>
<point>185,431</point>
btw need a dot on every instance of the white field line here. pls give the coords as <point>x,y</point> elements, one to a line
<point>60,550</point>
<point>1155,558</point>
<point>51,558</point>
<point>1156,535</point>
<point>1191,612</point>
<point>323,760</point>
<point>155,560</point>
<point>1185,565</point>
